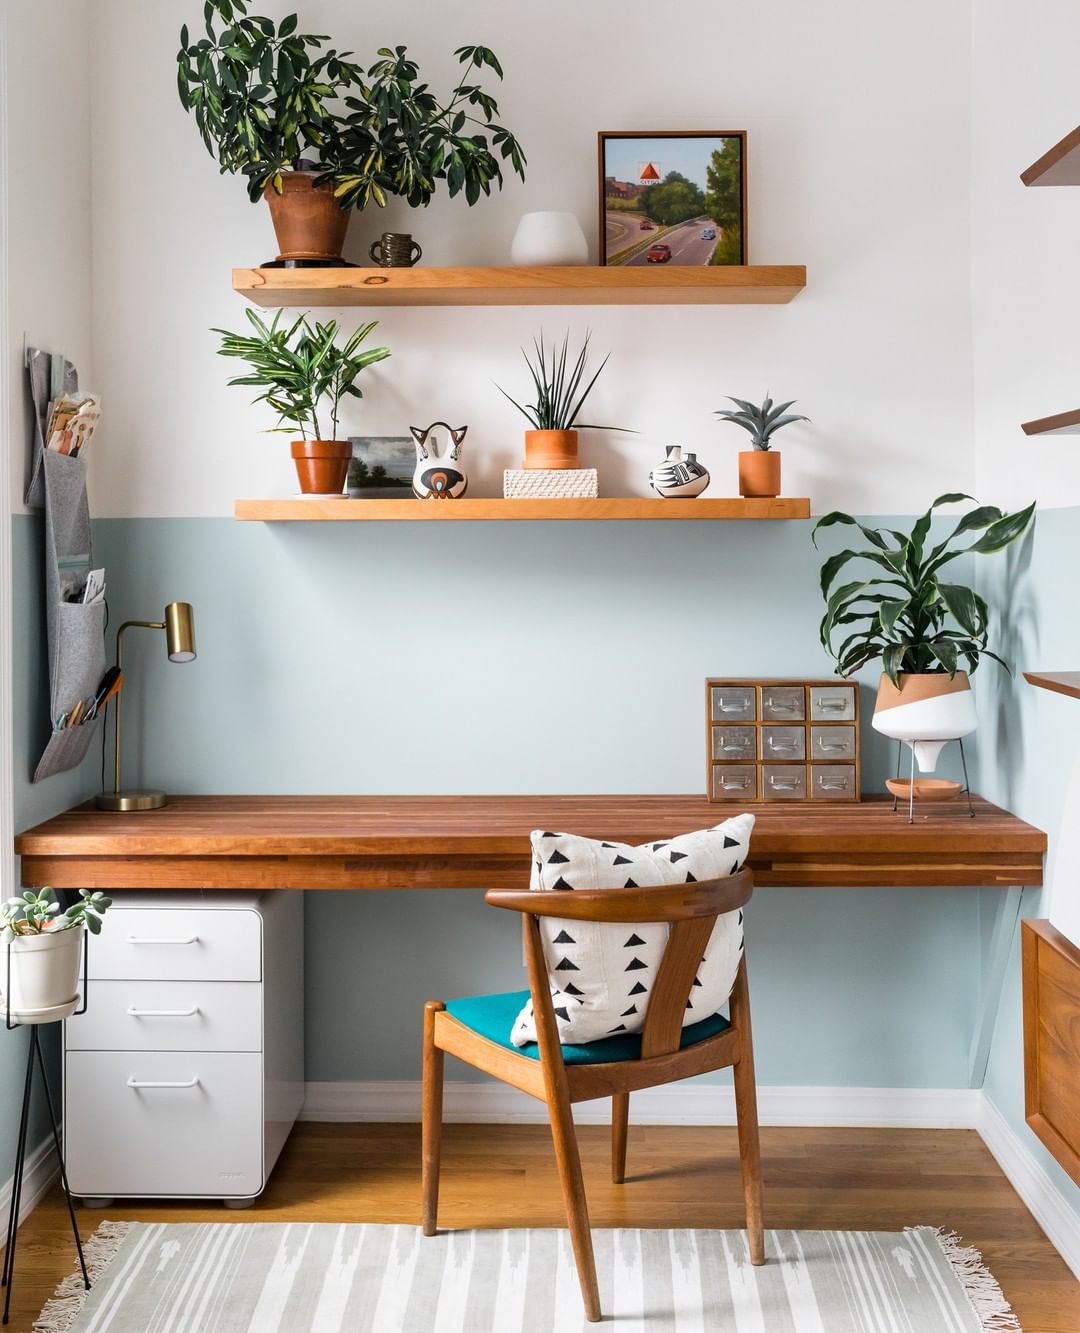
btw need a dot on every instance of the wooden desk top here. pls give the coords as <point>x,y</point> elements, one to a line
<point>341,842</point>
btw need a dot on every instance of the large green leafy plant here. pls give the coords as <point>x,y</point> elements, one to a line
<point>908,613</point>
<point>301,369</point>
<point>267,99</point>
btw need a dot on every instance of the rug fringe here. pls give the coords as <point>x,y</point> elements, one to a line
<point>979,1284</point>
<point>68,1299</point>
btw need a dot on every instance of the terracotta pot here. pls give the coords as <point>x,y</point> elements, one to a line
<point>759,473</point>
<point>308,221</point>
<point>555,449</point>
<point>926,710</point>
<point>321,465</point>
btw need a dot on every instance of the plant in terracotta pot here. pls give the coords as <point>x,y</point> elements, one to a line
<point>922,627</point>
<point>46,949</point>
<point>316,136</point>
<point>759,467</point>
<point>552,443</point>
<point>304,373</point>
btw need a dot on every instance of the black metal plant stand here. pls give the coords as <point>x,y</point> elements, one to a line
<point>34,1056</point>
<point>911,786</point>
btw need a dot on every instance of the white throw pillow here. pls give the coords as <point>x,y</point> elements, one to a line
<point>601,974</point>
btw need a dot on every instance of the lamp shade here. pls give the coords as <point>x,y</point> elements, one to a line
<point>180,632</point>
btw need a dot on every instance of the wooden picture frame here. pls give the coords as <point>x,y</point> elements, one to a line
<point>659,154</point>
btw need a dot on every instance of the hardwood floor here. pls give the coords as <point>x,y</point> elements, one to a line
<point>504,1175</point>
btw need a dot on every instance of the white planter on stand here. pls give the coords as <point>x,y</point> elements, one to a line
<point>44,974</point>
<point>926,711</point>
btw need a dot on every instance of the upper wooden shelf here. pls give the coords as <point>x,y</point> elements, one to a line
<point>1059,166</point>
<point>748,284</point>
<point>1061,682</point>
<point>1062,423</point>
<point>334,510</point>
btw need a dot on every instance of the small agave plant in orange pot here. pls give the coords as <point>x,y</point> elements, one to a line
<point>304,372</point>
<point>759,467</point>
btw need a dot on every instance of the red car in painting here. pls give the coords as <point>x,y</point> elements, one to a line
<point>646,225</point>
<point>658,254</point>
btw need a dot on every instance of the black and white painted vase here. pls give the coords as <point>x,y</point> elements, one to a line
<point>678,478</point>
<point>439,475</point>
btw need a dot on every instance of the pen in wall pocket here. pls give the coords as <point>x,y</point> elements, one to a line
<point>110,684</point>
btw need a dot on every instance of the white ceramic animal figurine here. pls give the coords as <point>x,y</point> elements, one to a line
<point>438,476</point>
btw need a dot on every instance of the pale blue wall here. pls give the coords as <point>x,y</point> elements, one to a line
<point>1030,739</point>
<point>518,658</point>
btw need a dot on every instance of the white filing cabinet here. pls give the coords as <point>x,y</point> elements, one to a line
<point>186,1073</point>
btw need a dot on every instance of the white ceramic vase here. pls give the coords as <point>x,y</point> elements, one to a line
<point>926,711</point>
<point>678,478</point>
<point>549,238</point>
<point>44,971</point>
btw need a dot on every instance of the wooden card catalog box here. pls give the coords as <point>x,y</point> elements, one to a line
<point>782,740</point>
<point>1052,1041</point>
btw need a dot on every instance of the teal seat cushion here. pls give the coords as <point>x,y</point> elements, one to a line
<point>493,1017</point>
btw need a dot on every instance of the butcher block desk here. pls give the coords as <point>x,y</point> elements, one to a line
<point>470,842</point>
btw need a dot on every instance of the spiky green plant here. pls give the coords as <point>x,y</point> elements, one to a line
<point>559,395</point>
<point>761,421</point>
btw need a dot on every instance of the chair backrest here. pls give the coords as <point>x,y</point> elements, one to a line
<point>689,909</point>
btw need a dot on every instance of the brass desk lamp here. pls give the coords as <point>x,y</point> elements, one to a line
<point>179,627</point>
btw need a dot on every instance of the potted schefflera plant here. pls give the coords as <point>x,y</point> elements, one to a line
<point>45,946</point>
<point>304,372</point>
<point>928,632</point>
<point>759,466</point>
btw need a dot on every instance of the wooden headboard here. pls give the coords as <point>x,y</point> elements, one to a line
<point>1052,1041</point>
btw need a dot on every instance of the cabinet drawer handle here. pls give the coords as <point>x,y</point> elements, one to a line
<point>735,784</point>
<point>735,747</point>
<point>164,939</point>
<point>736,706</point>
<point>785,784</point>
<point>783,747</point>
<point>833,784</point>
<point>778,707</point>
<point>832,749</point>
<point>833,705</point>
<point>134,1082</point>
<point>163,1013</point>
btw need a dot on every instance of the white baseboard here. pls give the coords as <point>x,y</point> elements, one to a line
<point>683,1104</point>
<point>40,1173</point>
<point>1031,1181</point>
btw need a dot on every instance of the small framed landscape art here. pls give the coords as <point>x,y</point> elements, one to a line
<point>381,467</point>
<point>672,197</point>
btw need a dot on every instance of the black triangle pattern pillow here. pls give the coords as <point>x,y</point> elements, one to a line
<point>601,974</point>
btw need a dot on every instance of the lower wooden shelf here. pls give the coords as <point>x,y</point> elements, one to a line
<point>342,510</point>
<point>1061,423</point>
<point>1061,682</point>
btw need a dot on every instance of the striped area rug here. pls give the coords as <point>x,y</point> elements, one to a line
<point>234,1277</point>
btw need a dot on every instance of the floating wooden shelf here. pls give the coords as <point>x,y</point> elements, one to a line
<point>1063,423</point>
<point>747,284</point>
<point>1059,166</point>
<point>334,510</point>
<point>1061,682</point>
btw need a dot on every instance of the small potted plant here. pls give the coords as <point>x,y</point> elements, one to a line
<point>553,440</point>
<point>921,627</point>
<point>759,467</point>
<point>303,373</point>
<point>46,948</point>
<point>317,137</point>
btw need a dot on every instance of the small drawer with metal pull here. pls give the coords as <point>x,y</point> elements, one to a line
<point>734,703</point>
<point>783,703</point>
<point>730,744</point>
<point>832,703</point>
<point>170,1016</point>
<point>734,782</point>
<point>832,782</point>
<point>187,944</point>
<point>783,742</point>
<point>832,743</point>
<point>783,782</point>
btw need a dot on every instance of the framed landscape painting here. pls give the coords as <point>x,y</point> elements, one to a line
<point>672,197</point>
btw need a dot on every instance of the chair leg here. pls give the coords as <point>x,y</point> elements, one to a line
<point>568,1161</point>
<point>620,1118</point>
<point>746,1115</point>
<point>431,1129</point>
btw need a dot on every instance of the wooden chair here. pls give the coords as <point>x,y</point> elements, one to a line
<point>477,1030</point>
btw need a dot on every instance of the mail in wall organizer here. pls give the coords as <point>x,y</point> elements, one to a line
<point>74,590</point>
<point>782,740</point>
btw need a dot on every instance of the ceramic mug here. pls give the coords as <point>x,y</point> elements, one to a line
<point>395,250</point>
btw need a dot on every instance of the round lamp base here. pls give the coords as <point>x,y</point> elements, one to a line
<point>130,801</point>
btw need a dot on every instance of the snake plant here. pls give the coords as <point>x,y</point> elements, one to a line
<point>762,421</point>
<point>907,614</point>
<point>559,395</point>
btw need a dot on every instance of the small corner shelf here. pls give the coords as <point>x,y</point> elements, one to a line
<point>1060,682</point>
<point>300,510</point>
<point>1062,423</point>
<point>746,284</point>
<point>1059,166</point>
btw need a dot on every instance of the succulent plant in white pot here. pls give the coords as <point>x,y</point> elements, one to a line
<point>759,466</point>
<point>43,946</point>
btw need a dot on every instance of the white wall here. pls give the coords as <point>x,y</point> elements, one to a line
<point>859,167</point>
